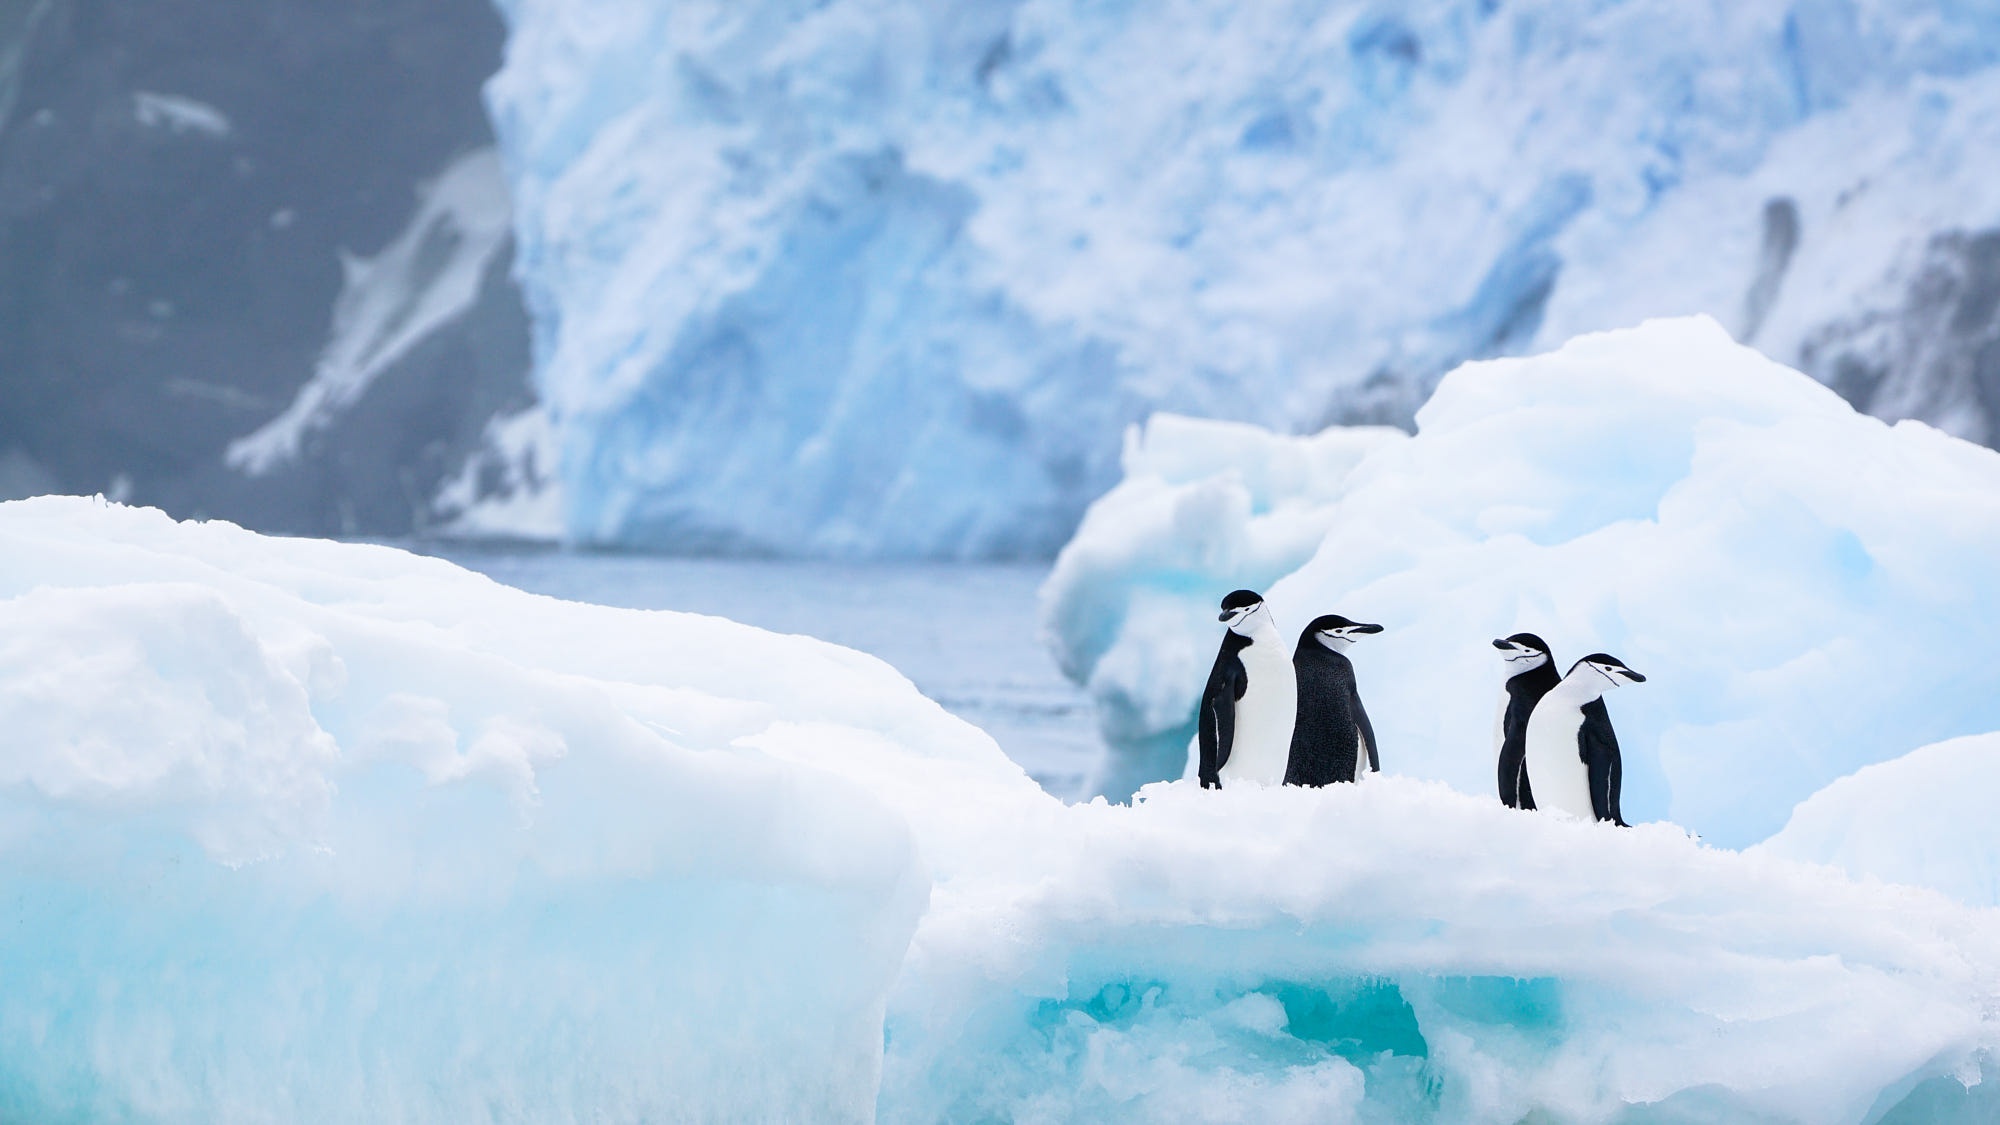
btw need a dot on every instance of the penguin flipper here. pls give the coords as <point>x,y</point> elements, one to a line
<point>1367,738</point>
<point>1216,729</point>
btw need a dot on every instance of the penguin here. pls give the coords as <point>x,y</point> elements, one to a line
<point>1331,738</point>
<point>1572,754</point>
<point>1245,725</point>
<point>1531,672</point>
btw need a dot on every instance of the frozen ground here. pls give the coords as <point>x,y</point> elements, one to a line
<point>967,636</point>
<point>304,831</point>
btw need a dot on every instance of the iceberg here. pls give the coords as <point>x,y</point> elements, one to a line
<point>924,262</point>
<point>304,831</point>
<point>297,830</point>
<point>1807,588</point>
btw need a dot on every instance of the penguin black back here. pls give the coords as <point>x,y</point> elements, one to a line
<point>1598,744</point>
<point>1524,690</point>
<point>1332,731</point>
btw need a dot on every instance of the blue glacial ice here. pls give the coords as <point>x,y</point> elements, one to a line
<point>303,831</point>
<point>1810,590</point>
<point>922,262</point>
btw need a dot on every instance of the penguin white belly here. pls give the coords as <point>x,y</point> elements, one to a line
<point>1361,749</point>
<point>1555,768</point>
<point>1263,744</point>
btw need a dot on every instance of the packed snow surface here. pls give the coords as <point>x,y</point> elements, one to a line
<point>923,261</point>
<point>1807,589</point>
<point>297,831</point>
<point>1924,819</point>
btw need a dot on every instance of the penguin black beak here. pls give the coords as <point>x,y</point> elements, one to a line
<point>1223,616</point>
<point>1636,677</point>
<point>1366,628</point>
<point>1504,646</point>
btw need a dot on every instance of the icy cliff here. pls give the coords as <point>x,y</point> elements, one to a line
<point>921,262</point>
<point>1809,590</point>
<point>302,831</point>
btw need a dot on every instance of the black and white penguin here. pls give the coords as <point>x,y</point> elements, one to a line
<point>1572,754</point>
<point>1531,672</point>
<point>1245,727</point>
<point>1331,738</point>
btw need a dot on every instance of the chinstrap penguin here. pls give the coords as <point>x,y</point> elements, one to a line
<point>1572,753</point>
<point>1531,672</point>
<point>1331,737</point>
<point>1245,725</point>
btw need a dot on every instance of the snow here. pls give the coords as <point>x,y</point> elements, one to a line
<point>295,830</point>
<point>926,261</point>
<point>301,830</point>
<point>179,114</point>
<point>507,488</point>
<point>1807,589</point>
<point>1923,820</point>
<point>428,276</point>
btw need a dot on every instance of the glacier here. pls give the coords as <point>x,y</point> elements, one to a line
<point>923,261</point>
<point>296,830</point>
<point>1808,589</point>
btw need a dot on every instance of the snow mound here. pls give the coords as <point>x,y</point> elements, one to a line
<point>1806,588</point>
<point>1924,819</point>
<point>923,262</point>
<point>295,830</point>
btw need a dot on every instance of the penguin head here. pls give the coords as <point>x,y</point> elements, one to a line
<point>1611,668</point>
<point>1337,632</point>
<point>1523,652</point>
<point>1238,608</point>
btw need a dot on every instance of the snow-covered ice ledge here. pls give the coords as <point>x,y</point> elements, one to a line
<point>301,831</point>
<point>1809,590</point>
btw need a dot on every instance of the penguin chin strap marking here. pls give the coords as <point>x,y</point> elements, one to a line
<point>1606,673</point>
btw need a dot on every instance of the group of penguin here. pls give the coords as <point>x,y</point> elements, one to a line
<point>1272,720</point>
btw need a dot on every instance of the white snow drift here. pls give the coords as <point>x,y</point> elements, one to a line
<point>301,831</point>
<point>1808,589</point>
<point>1924,819</point>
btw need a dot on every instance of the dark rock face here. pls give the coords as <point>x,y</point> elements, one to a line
<point>1936,356</point>
<point>179,183</point>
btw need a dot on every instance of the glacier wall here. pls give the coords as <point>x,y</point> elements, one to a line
<point>868,278</point>
<point>306,831</point>
<point>1807,588</point>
